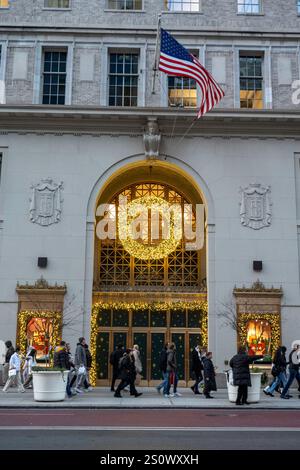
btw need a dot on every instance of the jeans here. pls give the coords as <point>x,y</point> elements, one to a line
<point>280,378</point>
<point>294,373</point>
<point>164,383</point>
<point>167,390</point>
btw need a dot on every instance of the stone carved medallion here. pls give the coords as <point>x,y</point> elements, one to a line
<point>256,206</point>
<point>46,202</point>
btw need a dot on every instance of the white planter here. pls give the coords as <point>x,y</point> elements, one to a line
<point>50,385</point>
<point>253,391</point>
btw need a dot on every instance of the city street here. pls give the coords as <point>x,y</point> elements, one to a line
<point>202,429</point>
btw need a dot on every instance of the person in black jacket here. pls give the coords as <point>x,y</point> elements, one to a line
<point>62,361</point>
<point>163,367</point>
<point>209,376</point>
<point>241,374</point>
<point>127,375</point>
<point>278,371</point>
<point>114,361</point>
<point>197,367</point>
<point>9,352</point>
<point>89,360</point>
<point>61,356</point>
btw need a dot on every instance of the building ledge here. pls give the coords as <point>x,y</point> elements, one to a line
<point>79,120</point>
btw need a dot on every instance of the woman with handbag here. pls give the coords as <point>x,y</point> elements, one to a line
<point>278,371</point>
<point>14,372</point>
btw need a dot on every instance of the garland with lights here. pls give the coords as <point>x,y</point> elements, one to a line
<point>26,315</point>
<point>142,306</point>
<point>143,251</point>
<point>272,318</point>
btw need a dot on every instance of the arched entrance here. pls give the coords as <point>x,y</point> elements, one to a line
<point>154,300</point>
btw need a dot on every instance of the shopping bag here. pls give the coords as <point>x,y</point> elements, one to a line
<point>12,372</point>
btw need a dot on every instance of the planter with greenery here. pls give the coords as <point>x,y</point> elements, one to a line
<point>49,383</point>
<point>258,378</point>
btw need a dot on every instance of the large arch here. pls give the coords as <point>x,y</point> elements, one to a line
<point>197,185</point>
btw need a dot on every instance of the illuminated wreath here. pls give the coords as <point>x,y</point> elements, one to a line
<point>132,210</point>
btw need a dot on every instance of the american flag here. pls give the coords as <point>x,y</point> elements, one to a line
<point>176,60</point>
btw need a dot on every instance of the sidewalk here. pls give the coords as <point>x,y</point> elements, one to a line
<point>102,398</point>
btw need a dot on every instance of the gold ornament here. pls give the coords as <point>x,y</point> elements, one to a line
<point>142,205</point>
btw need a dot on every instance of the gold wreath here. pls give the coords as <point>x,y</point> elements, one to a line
<point>147,252</point>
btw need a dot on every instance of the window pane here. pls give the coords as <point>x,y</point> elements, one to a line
<point>251,82</point>
<point>123,72</point>
<point>249,6</point>
<point>54,77</point>
<point>57,3</point>
<point>182,5</point>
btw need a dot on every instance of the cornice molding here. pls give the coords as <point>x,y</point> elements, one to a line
<point>114,122</point>
<point>95,30</point>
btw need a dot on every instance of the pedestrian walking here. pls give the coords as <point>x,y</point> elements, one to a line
<point>89,361</point>
<point>209,376</point>
<point>172,373</point>
<point>61,361</point>
<point>72,372</point>
<point>197,368</point>
<point>9,352</point>
<point>80,364</point>
<point>241,374</point>
<point>163,368</point>
<point>14,372</point>
<point>137,363</point>
<point>115,362</point>
<point>294,363</point>
<point>30,361</point>
<point>127,375</point>
<point>278,371</point>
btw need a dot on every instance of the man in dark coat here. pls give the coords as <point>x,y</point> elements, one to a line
<point>114,361</point>
<point>127,375</point>
<point>241,374</point>
<point>197,368</point>
<point>163,367</point>
<point>10,351</point>
<point>209,376</point>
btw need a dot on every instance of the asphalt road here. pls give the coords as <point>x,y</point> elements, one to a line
<point>149,440</point>
<point>201,429</point>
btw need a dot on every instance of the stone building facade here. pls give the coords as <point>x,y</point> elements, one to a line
<point>242,161</point>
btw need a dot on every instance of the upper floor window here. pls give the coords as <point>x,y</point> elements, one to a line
<point>251,81</point>
<point>125,4</point>
<point>0,166</point>
<point>250,7</point>
<point>182,5</point>
<point>182,92</point>
<point>4,3</point>
<point>54,77</point>
<point>298,6</point>
<point>123,79</point>
<point>57,4</point>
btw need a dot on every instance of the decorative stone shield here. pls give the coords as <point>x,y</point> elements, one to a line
<point>256,206</point>
<point>46,202</point>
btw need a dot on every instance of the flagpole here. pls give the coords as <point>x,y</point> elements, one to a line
<point>157,47</point>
